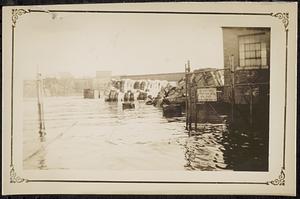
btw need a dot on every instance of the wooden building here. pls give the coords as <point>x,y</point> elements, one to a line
<point>247,74</point>
<point>239,93</point>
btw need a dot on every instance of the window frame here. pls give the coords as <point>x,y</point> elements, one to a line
<point>257,58</point>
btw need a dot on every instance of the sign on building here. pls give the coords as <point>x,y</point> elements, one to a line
<point>207,94</point>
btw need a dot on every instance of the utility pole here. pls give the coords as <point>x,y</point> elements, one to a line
<point>40,104</point>
<point>186,98</point>
<point>189,98</point>
<point>196,109</point>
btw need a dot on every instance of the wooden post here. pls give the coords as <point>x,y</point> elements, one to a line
<point>42,132</point>
<point>232,71</point>
<point>189,98</point>
<point>186,98</point>
<point>196,116</point>
<point>251,107</point>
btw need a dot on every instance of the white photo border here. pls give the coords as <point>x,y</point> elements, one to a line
<point>20,12</point>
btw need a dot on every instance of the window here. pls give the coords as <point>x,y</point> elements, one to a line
<point>252,52</point>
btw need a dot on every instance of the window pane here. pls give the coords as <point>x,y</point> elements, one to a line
<point>247,62</point>
<point>264,53</point>
<point>246,47</point>
<point>263,46</point>
<point>242,62</point>
<point>258,62</point>
<point>252,52</point>
<point>250,62</point>
<point>247,54</point>
<point>241,47</point>
<point>242,55</point>
<point>257,47</point>
<point>258,54</point>
<point>264,61</point>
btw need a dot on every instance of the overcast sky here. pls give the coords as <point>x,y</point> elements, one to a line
<point>122,43</point>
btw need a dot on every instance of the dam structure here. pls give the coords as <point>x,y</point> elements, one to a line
<point>139,87</point>
<point>132,90</point>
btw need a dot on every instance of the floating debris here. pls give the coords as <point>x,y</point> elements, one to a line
<point>128,105</point>
<point>174,110</point>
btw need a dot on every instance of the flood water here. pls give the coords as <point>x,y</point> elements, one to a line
<point>93,134</point>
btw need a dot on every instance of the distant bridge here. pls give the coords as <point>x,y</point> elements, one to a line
<point>159,76</point>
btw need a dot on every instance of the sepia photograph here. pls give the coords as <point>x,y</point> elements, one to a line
<point>140,109</point>
<point>152,89</point>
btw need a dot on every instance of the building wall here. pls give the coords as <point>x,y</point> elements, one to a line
<point>231,42</point>
<point>254,74</point>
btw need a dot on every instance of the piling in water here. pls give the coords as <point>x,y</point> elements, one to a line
<point>40,104</point>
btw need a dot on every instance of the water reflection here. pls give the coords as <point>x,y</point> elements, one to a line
<point>214,147</point>
<point>204,150</point>
<point>42,137</point>
<point>38,159</point>
<point>42,162</point>
<point>246,150</point>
